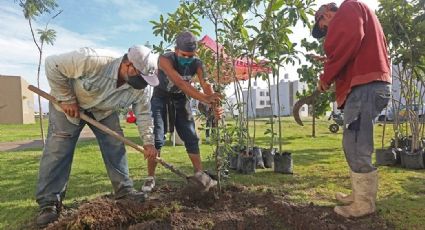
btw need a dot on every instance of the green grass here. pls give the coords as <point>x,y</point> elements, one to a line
<point>14,132</point>
<point>319,171</point>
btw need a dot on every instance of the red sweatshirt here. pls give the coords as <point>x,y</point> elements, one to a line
<point>355,48</point>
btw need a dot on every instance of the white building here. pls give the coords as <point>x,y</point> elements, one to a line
<point>261,103</point>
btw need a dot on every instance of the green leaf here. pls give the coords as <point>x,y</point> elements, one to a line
<point>244,33</point>
<point>277,5</point>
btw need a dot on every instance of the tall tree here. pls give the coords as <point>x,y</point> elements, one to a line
<point>404,26</point>
<point>274,42</point>
<point>32,10</point>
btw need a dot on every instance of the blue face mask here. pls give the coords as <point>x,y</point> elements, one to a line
<point>184,61</point>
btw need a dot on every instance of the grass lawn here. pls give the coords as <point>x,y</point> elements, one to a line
<point>319,171</point>
<point>22,132</point>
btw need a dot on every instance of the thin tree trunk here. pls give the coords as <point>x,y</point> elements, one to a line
<point>218,160</point>
<point>271,113</point>
<point>278,113</point>
<point>40,50</point>
<point>313,131</point>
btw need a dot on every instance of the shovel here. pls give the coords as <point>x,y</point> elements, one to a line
<point>201,183</point>
<point>306,100</point>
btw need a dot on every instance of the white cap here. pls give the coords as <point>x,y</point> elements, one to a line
<point>146,62</point>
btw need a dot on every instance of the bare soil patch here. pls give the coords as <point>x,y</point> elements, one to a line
<point>234,208</point>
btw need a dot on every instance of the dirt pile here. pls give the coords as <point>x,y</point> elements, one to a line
<point>235,208</point>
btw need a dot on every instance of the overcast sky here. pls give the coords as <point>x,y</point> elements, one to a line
<point>110,24</point>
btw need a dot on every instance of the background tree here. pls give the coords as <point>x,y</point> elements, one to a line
<point>309,73</point>
<point>404,26</point>
<point>32,10</point>
<point>186,17</point>
<point>233,43</point>
<point>274,42</point>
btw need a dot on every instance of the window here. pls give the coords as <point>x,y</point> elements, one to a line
<point>261,102</point>
<point>267,94</point>
<point>268,103</point>
<point>261,93</point>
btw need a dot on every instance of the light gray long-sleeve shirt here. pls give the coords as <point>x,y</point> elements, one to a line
<point>90,77</point>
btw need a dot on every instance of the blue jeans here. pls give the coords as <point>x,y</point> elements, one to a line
<point>362,106</point>
<point>55,164</point>
<point>184,122</point>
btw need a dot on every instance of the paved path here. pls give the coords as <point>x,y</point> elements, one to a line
<point>86,134</point>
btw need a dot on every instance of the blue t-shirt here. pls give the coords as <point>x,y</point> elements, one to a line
<point>187,73</point>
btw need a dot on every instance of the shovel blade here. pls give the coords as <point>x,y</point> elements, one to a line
<point>306,100</point>
<point>201,182</point>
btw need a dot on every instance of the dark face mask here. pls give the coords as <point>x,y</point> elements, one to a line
<point>137,82</point>
<point>184,61</point>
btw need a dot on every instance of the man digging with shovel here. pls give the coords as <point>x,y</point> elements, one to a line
<point>96,84</point>
<point>357,62</point>
<point>170,102</point>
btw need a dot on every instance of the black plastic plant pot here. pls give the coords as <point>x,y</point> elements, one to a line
<point>233,160</point>
<point>385,157</point>
<point>283,163</point>
<point>232,157</point>
<point>413,160</point>
<point>246,163</point>
<point>241,151</point>
<point>268,157</point>
<point>402,153</point>
<point>256,151</point>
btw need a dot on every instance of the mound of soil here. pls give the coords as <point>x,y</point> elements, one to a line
<point>234,208</point>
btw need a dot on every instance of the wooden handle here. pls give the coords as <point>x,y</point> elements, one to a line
<point>108,131</point>
<point>89,120</point>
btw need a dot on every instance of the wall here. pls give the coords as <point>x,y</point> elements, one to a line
<point>16,101</point>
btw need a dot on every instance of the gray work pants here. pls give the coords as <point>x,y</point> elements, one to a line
<point>363,105</point>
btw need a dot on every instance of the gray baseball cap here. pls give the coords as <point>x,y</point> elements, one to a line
<point>186,41</point>
<point>317,32</point>
<point>146,62</point>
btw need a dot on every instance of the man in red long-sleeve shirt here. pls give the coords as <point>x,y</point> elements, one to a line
<point>357,62</point>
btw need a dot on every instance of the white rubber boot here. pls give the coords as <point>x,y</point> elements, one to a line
<point>365,187</point>
<point>346,198</point>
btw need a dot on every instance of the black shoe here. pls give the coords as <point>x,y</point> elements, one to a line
<point>47,215</point>
<point>133,196</point>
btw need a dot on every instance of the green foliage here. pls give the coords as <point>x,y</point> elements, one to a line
<point>32,9</point>
<point>184,18</point>
<point>310,74</point>
<point>47,36</point>
<point>273,41</point>
<point>404,25</point>
<point>35,8</point>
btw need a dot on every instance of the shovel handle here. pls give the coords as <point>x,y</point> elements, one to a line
<point>89,120</point>
<point>108,131</point>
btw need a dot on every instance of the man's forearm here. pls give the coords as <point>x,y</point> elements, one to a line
<point>208,89</point>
